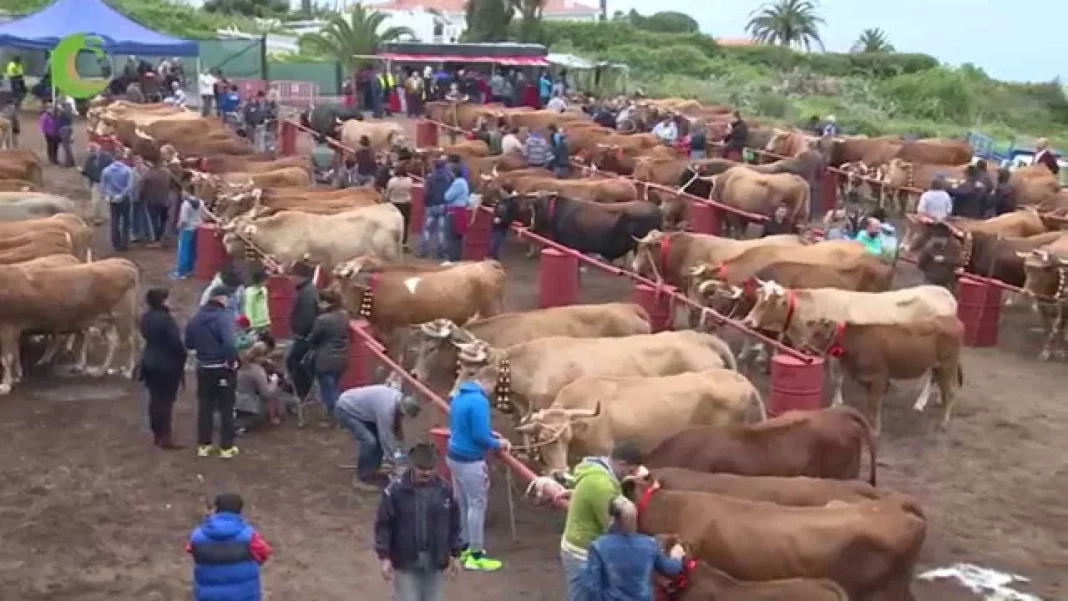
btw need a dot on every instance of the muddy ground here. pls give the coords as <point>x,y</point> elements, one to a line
<point>90,511</point>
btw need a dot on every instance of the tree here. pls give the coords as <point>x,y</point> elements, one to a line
<point>665,22</point>
<point>361,34</point>
<point>873,40</point>
<point>530,13</point>
<point>248,8</point>
<point>488,20</point>
<point>786,23</point>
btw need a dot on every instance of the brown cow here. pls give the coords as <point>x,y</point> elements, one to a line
<point>80,234</point>
<point>306,200</point>
<point>21,164</point>
<point>223,163</point>
<point>18,185</point>
<point>395,296</point>
<point>34,244</point>
<point>789,143</point>
<point>670,257</point>
<point>590,190</point>
<point>69,299</point>
<point>464,115</point>
<point>709,584</point>
<point>1046,283</point>
<point>861,149</point>
<point>761,542</point>
<point>818,444</point>
<point>1034,185</point>
<point>797,491</point>
<point>935,151</point>
<point>208,186</point>
<point>761,193</point>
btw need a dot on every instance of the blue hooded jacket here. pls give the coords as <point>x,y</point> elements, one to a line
<point>470,430</point>
<point>224,568</point>
<point>619,567</point>
<point>210,333</point>
<point>436,185</point>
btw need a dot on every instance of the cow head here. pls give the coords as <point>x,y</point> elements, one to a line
<point>491,187</point>
<point>485,366</point>
<point>820,336</point>
<point>648,258</point>
<point>772,310</point>
<point>433,344</point>
<point>551,431</point>
<point>1046,275</point>
<point>709,290</point>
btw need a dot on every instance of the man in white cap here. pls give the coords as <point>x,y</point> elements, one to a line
<point>830,127</point>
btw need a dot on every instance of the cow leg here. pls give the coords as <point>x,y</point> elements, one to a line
<point>82,354</point>
<point>837,377</point>
<point>925,393</point>
<point>876,391</point>
<point>9,356</point>
<point>53,348</point>
<point>948,378</point>
<point>111,337</point>
<point>1051,337</point>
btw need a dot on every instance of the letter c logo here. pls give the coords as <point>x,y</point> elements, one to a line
<point>64,65</point>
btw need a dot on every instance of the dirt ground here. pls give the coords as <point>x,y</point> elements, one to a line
<point>90,511</point>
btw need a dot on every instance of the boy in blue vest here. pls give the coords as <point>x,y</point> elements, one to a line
<point>227,553</point>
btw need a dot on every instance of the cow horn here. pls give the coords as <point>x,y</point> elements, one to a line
<point>472,352</point>
<point>699,270</point>
<point>438,328</point>
<point>528,428</point>
<point>1021,255</point>
<point>705,285</point>
<point>494,172</point>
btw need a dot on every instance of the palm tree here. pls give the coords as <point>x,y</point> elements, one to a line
<point>873,40</point>
<point>346,39</point>
<point>786,23</point>
<point>530,12</point>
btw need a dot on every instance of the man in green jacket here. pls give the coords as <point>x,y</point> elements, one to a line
<point>596,484</point>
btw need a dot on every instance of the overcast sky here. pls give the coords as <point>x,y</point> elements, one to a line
<point>1023,41</point>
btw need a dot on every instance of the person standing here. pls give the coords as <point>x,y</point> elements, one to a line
<point>366,166</point>
<point>94,166</point>
<point>162,365</point>
<point>140,221</point>
<point>210,334</point>
<point>227,554</point>
<point>471,437</point>
<point>116,185</point>
<point>561,155</point>
<point>433,243</point>
<point>510,143</point>
<point>545,89</point>
<point>417,530</point>
<point>50,131</point>
<point>736,138</point>
<point>935,203</point>
<point>621,562</point>
<point>699,142</point>
<point>17,76</point>
<point>329,342</point>
<point>537,151</point>
<point>557,103</point>
<point>65,128</point>
<point>206,86</point>
<point>399,193</point>
<point>301,320</point>
<point>190,217</point>
<point>666,131</point>
<point>830,127</point>
<point>254,302</point>
<point>504,213</point>
<point>496,86</point>
<point>457,199</point>
<point>596,486</point>
<point>374,414</point>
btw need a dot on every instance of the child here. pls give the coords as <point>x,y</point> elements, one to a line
<point>254,302</point>
<point>227,553</point>
<point>189,219</point>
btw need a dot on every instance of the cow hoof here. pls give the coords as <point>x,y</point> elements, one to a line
<point>1044,356</point>
<point>5,389</point>
<point>94,372</point>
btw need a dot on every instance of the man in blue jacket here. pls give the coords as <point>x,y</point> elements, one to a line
<point>227,552</point>
<point>210,333</point>
<point>434,225</point>
<point>471,437</point>
<point>417,529</point>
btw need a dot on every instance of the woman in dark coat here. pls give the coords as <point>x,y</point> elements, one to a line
<point>329,341</point>
<point>162,365</point>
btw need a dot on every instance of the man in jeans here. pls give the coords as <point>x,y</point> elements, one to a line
<point>417,530</point>
<point>374,415</point>
<point>434,224</point>
<point>210,333</point>
<point>95,163</point>
<point>471,437</point>
<point>116,184</point>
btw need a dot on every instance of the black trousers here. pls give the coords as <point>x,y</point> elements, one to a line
<point>52,148</point>
<point>215,394</point>
<point>405,209</point>
<point>302,378</point>
<point>162,393</point>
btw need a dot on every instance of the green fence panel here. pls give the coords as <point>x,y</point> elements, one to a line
<point>322,73</point>
<point>236,58</point>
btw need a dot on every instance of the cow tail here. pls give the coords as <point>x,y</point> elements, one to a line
<point>869,436</point>
<point>724,351</point>
<point>806,204</point>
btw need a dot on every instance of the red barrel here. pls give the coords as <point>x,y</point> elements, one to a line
<point>477,238</point>
<point>280,295</point>
<point>426,134</point>
<point>211,254</point>
<point>704,218</point>
<point>979,309</point>
<point>440,438</point>
<point>415,223</point>
<point>287,145</point>
<point>795,385</point>
<point>657,305</point>
<point>828,199</point>
<point>361,360</point>
<point>558,279</point>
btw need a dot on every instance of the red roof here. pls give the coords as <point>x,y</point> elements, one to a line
<point>552,7</point>
<point>511,61</point>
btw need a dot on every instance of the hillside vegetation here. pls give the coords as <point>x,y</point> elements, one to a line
<point>869,92</point>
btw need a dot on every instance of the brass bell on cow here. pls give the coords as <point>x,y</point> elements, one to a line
<point>366,304</point>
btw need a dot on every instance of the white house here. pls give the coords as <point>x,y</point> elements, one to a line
<point>442,21</point>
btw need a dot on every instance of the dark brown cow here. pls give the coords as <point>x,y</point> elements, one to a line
<point>798,491</point>
<point>819,444</point>
<point>709,584</point>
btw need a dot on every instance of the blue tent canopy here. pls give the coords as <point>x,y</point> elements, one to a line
<point>43,29</point>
